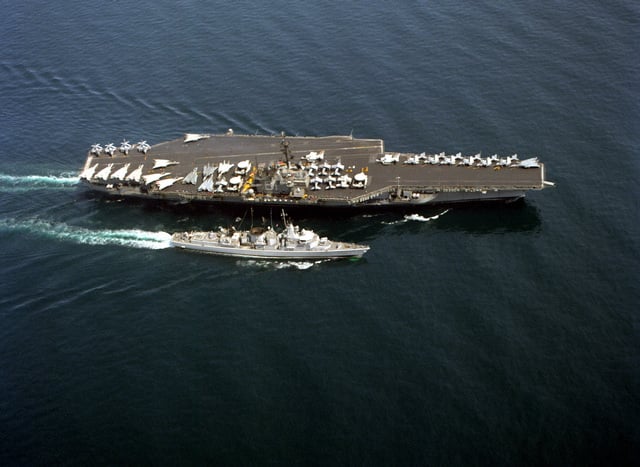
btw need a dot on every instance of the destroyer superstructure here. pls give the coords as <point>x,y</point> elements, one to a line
<point>303,171</point>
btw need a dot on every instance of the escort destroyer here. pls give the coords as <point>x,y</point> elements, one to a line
<point>292,243</point>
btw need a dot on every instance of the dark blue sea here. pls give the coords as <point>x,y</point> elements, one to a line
<point>468,335</point>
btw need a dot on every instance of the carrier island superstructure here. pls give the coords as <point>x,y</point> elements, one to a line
<point>332,171</point>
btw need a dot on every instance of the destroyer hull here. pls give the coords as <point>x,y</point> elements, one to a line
<point>282,175</point>
<point>267,253</point>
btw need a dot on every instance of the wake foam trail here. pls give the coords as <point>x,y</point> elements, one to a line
<point>277,264</point>
<point>418,218</point>
<point>60,231</point>
<point>36,182</point>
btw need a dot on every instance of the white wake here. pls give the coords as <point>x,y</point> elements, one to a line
<point>20,183</point>
<point>133,238</point>
<point>417,218</point>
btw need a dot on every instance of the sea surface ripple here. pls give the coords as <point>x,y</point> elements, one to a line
<point>501,335</point>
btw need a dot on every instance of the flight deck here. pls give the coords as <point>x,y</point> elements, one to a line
<point>299,170</point>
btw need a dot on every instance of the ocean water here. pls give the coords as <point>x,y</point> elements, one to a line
<point>491,335</point>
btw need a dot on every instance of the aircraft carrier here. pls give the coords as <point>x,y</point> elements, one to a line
<point>332,171</point>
